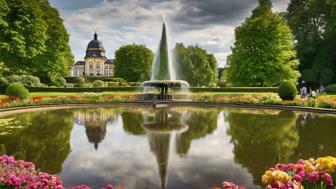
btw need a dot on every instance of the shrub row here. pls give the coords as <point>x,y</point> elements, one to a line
<point>69,90</point>
<point>92,79</point>
<point>236,89</point>
<point>331,89</point>
<point>131,89</point>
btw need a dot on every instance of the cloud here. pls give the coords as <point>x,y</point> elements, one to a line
<point>209,24</point>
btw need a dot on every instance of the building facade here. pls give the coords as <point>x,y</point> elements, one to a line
<point>95,62</point>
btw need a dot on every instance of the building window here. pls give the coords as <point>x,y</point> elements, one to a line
<point>98,66</point>
<point>91,66</point>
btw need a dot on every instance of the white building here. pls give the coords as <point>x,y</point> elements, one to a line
<point>95,62</point>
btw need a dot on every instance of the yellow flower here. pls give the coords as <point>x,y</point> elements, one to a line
<point>271,176</point>
<point>326,164</point>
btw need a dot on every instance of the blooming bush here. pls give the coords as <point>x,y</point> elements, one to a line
<point>311,174</point>
<point>24,175</point>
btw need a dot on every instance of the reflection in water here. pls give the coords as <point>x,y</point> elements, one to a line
<point>40,137</point>
<point>161,126</point>
<point>95,123</point>
<point>165,148</point>
<point>262,139</point>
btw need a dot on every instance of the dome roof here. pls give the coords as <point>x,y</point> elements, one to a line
<point>95,48</point>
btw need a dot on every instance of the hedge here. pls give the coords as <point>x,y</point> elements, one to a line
<point>139,89</point>
<point>236,89</point>
<point>92,79</point>
<point>70,90</point>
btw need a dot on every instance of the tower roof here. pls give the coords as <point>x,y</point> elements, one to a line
<point>95,48</point>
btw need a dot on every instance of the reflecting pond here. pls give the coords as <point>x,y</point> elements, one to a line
<point>181,147</point>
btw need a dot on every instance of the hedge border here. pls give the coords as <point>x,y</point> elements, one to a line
<point>139,89</point>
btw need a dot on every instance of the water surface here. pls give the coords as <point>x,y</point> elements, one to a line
<point>175,148</point>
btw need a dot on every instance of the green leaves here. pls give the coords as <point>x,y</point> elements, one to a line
<point>33,38</point>
<point>195,65</point>
<point>263,53</point>
<point>133,62</point>
<point>314,28</point>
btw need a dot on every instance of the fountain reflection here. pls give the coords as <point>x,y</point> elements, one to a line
<point>162,126</point>
<point>95,123</point>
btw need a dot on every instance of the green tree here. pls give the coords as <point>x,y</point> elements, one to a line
<point>25,36</point>
<point>314,28</point>
<point>58,57</point>
<point>33,38</point>
<point>133,62</point>
<point>195,65</point>
<point>263,53</point>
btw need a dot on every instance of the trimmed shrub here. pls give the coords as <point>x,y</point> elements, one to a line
<point>17,90</point>
<point>57,81</point>
<point>112,84</point>
<point>221,84</point>
<point>114,79</point>
<point>123,84</point>
<point>80,81</point>
<point>331,88</point>
<point>98,83</point>
<point>69,85</point>
<point>27,80</point>
<point>287,90</point>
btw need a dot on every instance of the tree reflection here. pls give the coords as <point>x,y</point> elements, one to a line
<point>316,136</point>
<point>132,122</point>
<point>201,123</point>
<point>262,139</point>
<point>40,137</point>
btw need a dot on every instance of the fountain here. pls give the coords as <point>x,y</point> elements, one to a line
<point>163,74</point>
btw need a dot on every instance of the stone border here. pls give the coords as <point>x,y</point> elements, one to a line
<point>24,109</point>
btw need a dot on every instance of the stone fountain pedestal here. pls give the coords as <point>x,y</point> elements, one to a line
<point>164,85</point>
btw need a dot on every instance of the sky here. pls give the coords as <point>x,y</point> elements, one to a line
<point>207,23</point>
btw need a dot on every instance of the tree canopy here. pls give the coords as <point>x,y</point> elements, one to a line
<point>314,27</point>
<point>33,38</point>
<point>263,53</point>
<point>195,65</point>
<point>133,62</point>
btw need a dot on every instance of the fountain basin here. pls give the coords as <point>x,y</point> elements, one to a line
<point>164,85</point>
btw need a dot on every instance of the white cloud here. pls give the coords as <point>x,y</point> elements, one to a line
<point>122,22</point>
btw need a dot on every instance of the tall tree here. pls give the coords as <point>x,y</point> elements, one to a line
<point>313,25</point>
<point>263,53</point>
<point>25,35</point>
<point>195,65</point>
<point>133,62</point>
<point>57,58</point>
<point>33,38</point>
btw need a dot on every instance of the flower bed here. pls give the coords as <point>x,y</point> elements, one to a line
<point>6,102</point>
<point>252,99</point>
<point>24,175</point>
<point>309,174</point>
<point>267,99</point>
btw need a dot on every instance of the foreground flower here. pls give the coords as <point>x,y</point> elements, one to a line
<point>23,175</point>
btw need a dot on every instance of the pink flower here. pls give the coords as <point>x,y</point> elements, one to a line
<point>301,174</point>
<point>231,185</point>
<point>327,179</point>
<point>301,161</point>
<point>109,186</point>
<point>298,178</point>
<point>313,176</point>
